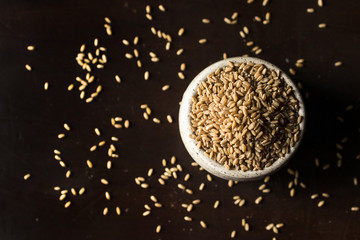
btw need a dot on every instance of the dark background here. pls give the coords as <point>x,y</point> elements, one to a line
<point>31,119</point>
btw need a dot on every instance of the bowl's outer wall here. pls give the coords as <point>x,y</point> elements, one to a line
<point>198,154</point>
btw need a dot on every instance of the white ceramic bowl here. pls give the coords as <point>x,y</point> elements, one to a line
<point>199,156</point>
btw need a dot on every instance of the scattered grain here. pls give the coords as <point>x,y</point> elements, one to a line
<point>144,185</point>
<point>73,191</point>
<point>326,167</point>
<point>67,204</point>
<point>27,176</point>
<point>355,209</point>
<point>173,161</point>
<point>227,20</point>
<point>181,31</point>
<point>310,10</point>
<point>107,20</point>
<point>242,34</point>
<point>153,198</point>
<point>161,8</point>
<point>28,67</point>
<point>46,86</point>
<point>338,64</point>
<point>158,205</point>
<point>247,227</point>
<point>136,40</point>
<point>62,197</point>
<point>155,59</point>
<point>326,195</point>
<point>292,192</point>
<point>266,179</point>
<point>64,191</point>
<point>246,30</point>
<point>148,16</point>
<point>146,213</point>
<point>205,21</point>
<point>189,207</point>
<point>118,210</point>
<point>165,87</point>
<point>279,225</point>
<point>146,75</point>
<point>189,191</point>
<point>187,218</point>
<point>269,226</point>
<point>181,75</point>
<point>148,9</point>
<point>169,118</point>
<point>267,16</point>
<point>82,191</point>
<point>203,40</point>
<point>262,187</point>
<point>234,15</point>
<point>107,195</point>
<point>203,224</point>
<point>128,55</point>
<point>257,19</point>
<point>93,148</point>
<point>89,163</point>
<point>180,51</point>
<point>317,162</point>
<point>61,135</point>
<point>127,124</point>
<point>182,66</point>
<point>258,200</point>
<point>104,181</point>
<point>292,71</point>
<point>30,48</point>
<point>161,181</point>
<point>314,196</point>
<point>167,46</point>
<point>117,79</point>
<point>179,167</point>
<point>105,211</point>
<point>321,203</point>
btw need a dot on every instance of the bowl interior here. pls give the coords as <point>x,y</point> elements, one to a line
<point>199,156</point>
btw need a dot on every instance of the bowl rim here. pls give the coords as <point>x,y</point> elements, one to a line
<point>199,156</point>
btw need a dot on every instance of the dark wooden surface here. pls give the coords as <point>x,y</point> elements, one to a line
<point>31,118</point>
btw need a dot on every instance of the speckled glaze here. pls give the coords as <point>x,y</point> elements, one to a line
<point>198,154</point>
